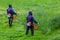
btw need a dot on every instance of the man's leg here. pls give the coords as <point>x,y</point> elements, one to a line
<point>27,30</point>
<point>10,21</point>
<point>32,30</point>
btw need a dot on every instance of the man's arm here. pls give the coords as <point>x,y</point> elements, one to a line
<point>34,20</point>
<point>13,12</point>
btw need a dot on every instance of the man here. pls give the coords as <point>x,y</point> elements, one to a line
<point>10,13</point>
<point>30,25</point>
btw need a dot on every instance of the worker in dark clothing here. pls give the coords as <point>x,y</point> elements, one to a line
<point>10,13</point>
<point>30,19</point>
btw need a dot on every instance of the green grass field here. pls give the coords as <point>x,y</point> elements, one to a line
<point>47,12</point>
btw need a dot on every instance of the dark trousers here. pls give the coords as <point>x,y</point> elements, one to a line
<point>31,28</point>
<point>10,21</point>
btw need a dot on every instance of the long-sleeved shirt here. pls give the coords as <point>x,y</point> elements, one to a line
<point>31,19</point>
<point>10,11</point>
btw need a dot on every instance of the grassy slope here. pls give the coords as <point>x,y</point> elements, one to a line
<point>44,11</point>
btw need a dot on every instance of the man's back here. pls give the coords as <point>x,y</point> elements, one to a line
<point>29,19</point>
<point>10,11</point>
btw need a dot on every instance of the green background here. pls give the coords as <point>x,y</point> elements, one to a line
<point>46,12</point>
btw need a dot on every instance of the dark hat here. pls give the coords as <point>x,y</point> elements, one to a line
<point>10,6</point>
<point>30,12</point>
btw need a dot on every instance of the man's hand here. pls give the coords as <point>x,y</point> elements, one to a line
<point>38,23</point>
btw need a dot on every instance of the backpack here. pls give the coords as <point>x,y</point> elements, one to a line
<point>29,24</point>
<point>9,15</point>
